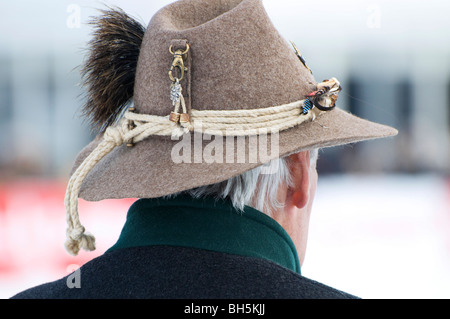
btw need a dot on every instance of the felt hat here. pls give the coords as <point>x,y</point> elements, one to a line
<point>187,100</point>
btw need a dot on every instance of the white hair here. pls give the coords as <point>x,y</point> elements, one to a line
<point>257,188</point>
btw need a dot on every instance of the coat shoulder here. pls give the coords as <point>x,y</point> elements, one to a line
<point>165,272</point>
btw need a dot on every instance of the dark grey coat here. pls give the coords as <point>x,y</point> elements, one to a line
<point>177,272</point>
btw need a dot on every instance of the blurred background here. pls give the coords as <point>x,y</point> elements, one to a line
<point>381,222</point>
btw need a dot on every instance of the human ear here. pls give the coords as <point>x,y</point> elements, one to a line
<point>298,191</point>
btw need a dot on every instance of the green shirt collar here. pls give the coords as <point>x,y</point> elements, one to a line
<point>209,224</point>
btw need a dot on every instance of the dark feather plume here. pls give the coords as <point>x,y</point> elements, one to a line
<point>110,68</point>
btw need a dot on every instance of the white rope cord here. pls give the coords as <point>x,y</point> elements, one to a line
<point>225,123</point>
<point>250,126</point>
<point>234,120</point>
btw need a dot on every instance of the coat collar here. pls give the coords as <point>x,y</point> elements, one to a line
<point>210,224</point>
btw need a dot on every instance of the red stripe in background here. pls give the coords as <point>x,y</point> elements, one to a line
<point>32,227</point>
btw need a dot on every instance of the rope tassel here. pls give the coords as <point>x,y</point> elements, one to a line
<point>113,137</point>
<point>76,236</point>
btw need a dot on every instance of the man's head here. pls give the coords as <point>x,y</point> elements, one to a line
<point>213,43</point>
<point>283,189</point>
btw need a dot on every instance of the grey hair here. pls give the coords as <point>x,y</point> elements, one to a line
<point>257,188</point>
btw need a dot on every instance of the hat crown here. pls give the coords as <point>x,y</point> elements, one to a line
<point>238,60</point>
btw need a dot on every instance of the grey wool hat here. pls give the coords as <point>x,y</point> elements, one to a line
<point>186,102</point>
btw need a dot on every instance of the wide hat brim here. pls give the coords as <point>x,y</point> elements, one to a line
<point>147,170</point>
